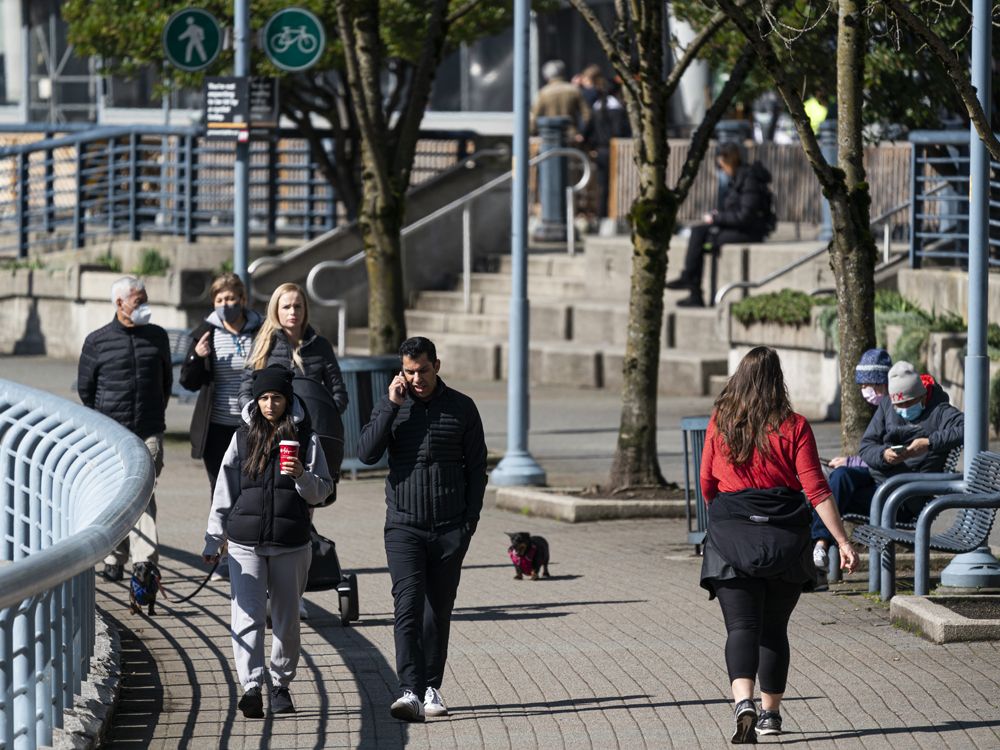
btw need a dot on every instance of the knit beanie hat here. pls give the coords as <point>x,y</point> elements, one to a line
<point>873,367</point>
<point>272,378</point>
<point>904,383</point>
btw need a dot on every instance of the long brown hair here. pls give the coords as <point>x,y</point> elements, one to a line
<point>753,405</point>
<point>262,437</point>
<point>264,341</point>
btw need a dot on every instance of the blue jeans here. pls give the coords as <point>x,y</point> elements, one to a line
<point>853,490</point>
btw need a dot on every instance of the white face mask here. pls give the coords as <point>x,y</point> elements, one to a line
<point>140,316</point>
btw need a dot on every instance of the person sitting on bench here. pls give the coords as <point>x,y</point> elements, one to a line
<point>747,215</point>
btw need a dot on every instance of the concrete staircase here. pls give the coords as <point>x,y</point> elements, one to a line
<point>579,317</point>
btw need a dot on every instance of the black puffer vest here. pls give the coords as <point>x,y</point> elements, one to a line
<point>268,510</point>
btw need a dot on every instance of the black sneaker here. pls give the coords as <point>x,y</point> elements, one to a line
<point>695,300</point>
<point>679,283</point>
<point>745,716</point>
<point>252,704</point>
<point>113,572</point>
<point>281,701</point>
<point>769,722</point>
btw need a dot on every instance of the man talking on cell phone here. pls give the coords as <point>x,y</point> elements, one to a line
<point>433,496</point>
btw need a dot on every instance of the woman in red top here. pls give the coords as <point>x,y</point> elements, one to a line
<point>760,475</point>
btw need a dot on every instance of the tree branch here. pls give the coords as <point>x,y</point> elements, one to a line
<point>957,74</point>
<point>702,136</point>
<point>793,100</point>
<point>692,50</point>
<point>461,11</point>
<point>614,54</point>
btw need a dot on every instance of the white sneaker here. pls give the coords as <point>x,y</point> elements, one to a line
<point>434,703</point>
<point>408,707</point>
<point>303,612</point>
<point>821,559</point>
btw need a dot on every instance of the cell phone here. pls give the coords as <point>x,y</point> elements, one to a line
<point>897,448</point>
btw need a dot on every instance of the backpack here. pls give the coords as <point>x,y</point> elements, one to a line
<point>325,423</point>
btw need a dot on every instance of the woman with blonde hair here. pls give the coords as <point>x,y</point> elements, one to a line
<point>761,477</point>
<point>287,339</point>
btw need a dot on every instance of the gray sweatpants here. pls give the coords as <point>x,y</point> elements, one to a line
<point>252,578</point>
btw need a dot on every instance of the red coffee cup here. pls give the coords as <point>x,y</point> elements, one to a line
<point>287,449</point>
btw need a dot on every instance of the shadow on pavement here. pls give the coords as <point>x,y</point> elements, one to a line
<point>945,726</point>
<point>141,696</point>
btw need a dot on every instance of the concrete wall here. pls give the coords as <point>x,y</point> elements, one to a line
<point>946,291</point>
<point>51,311</point>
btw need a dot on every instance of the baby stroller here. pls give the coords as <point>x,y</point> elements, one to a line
<point>325,572</point>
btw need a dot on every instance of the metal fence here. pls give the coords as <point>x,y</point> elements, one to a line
<point>127,182</point>
<point>940,186</point>
<point>72,483</point>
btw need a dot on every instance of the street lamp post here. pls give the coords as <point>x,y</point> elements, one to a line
<point>241,175</point>
<point>517,466</point>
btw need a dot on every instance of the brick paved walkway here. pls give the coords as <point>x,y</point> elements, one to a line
<point>621,648</point>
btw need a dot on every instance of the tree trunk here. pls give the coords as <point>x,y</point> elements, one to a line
<point>853,249</point>
<point>380,221</point>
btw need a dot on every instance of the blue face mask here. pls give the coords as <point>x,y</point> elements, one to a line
<point>910,412</point>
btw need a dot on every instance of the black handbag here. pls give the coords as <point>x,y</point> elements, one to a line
<point>324,570</point>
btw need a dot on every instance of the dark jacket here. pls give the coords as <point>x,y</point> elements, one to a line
<point>747,203</point>
<point>270,510</point>
<point>437,458</point>
<point>196,375</point>
<point>759,533</point>
<point>608,120</point>
<point>319,362</point>
<point>125,374</point>
<point>940,422</point>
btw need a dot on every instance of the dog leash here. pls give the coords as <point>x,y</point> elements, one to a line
<point>202,585</point>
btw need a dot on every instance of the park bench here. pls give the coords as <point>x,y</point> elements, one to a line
<point>874,517</point>
<point>693,430</point>
<point>976,498</point>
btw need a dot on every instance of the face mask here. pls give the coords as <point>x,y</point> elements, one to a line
<point>870,395</point>
<point>141,315</point>
<point>230,313</point>
<point>910,412</point>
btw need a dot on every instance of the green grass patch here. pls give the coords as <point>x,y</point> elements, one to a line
<point>788,307</point>
<point>151,263</point>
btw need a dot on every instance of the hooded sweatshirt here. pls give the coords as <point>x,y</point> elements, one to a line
<point>940,422</point>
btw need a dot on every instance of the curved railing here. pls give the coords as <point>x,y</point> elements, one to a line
<point>72,484</point>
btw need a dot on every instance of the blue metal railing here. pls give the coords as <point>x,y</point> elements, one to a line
<point>72,484</point>
<point>939,219</point>
<point>129,182</point>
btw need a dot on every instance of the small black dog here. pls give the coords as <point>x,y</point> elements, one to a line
<point>530,554</point>
<point>144,584</point>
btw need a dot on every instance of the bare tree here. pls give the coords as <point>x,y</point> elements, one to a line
<point>634,48</point>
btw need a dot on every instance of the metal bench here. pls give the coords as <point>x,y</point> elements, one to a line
<point>693,430</point>
<point>977,499</point>
<point>874,517</point>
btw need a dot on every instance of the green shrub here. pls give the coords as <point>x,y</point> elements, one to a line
<point>13,264</point>
<point>109,261</point>
<point>151,263</point>
<point>787,307</point>
<point>225,266</point>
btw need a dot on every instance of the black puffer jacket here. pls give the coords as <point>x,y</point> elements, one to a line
<point>125,374</point>
<point>747,203</point>
<point>437,458</point>
<point>319,362</point>
<point>940,422</point>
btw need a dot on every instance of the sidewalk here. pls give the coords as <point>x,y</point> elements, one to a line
<point>621,648</point>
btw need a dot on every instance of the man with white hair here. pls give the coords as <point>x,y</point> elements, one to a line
<point>559,97</point>
<point>125,374</point>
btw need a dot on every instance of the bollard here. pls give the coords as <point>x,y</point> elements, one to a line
<point>552,181</point>
<point>828,145</point>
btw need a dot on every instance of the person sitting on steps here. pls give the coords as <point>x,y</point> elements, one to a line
<point>747,215</point>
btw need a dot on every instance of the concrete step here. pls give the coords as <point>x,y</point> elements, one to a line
<point>563,265</point>
<point>450,302</point>
<point>429,323</point>
<point>696,329</point>
<point>716,383</point>
<point>538,286</point>
<point>681,373</point>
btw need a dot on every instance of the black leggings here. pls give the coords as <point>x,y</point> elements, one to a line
<point>756,611</point>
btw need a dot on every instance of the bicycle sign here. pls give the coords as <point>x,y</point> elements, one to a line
<point>294,39</point>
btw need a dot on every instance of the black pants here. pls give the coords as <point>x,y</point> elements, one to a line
<point>707,238</point>
<point>756,611</point>
<point>425,567</point>
<point>216,442</point>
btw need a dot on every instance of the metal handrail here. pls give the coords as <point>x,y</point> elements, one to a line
<point>801,261</point>
<point>75,484</point>
<point>463,202</point>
